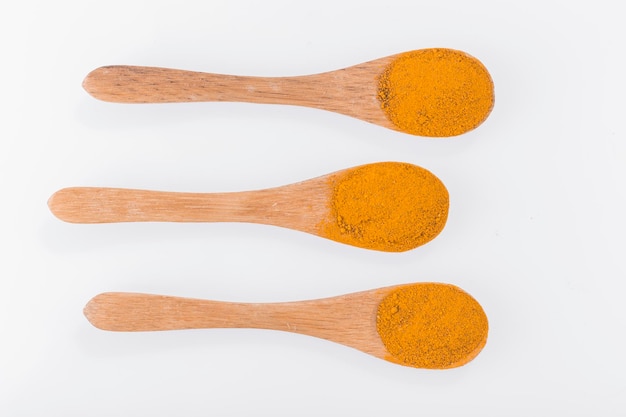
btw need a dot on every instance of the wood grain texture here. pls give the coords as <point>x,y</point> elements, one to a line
<point>348,319</point>
<point>300,206</point>
<point>351,91</point>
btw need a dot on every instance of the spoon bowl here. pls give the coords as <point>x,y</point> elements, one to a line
<point>423,325</point>
<point>434,92</point>
<point>386,206</point>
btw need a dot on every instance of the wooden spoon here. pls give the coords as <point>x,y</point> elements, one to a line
<point>429,92</point>
<point>387,206</point>
<point>440,326</point>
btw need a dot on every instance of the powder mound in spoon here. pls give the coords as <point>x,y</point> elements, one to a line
<point>431,326</point>
<point>436,92</point>
<point>388,206</point>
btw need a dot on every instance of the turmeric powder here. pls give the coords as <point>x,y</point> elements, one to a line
<point>436,92</point>
<point>431,325</point>
<point>388,206</point>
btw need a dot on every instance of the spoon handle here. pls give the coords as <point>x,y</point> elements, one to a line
<point>147,312</point>
<point>133,84</point>
<point>349,319</point>
<point>299,206</point>
<point>112,205</point>
<point>351,91</point>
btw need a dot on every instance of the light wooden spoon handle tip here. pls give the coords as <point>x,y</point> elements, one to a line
<point>130,84</point>
<point>57,204</point>
<point>93,84</point>
<point>124,312</point>
<point>125,84</point>
<point>91,311</point>
<point>80,205</point>
<point>87,82</point>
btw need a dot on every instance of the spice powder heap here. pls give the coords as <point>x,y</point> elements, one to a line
<point>434,326</point>
<point>386,206</point>
<point>436,92</point>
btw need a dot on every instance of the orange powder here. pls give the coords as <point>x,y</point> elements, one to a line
<point>388,206</point>
<point>436,92</point>
<point>430,325</point>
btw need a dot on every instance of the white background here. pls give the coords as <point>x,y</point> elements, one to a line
<point>535,233</point>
